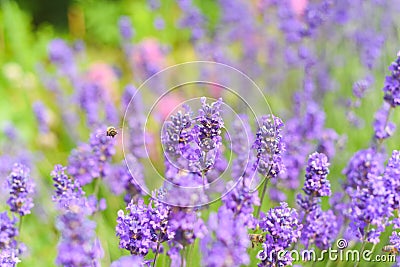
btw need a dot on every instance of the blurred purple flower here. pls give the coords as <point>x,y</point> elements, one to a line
<point>42,116</point>
<point>21,190</point>
<point>320,228</point>
<point>90,161</point>
<point>392,84</point>
<point>229,248</point>
<point>78,245</point>
<point>125,28</point>
<point>129,261</point>
<point>383,128</point>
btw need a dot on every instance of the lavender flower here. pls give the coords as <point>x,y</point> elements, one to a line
<point>8,233</point>
<point>120,180</point>
<point>21,188</point>
<point>66,189</point>
<point>269,147</point>
<point>90,161</point>
<point>77,246</point>
<point>62,56</point>
<point>42,117</point>
<point>10,249</point>
<point>370,205</point>
<point>125,28</point>
<point>129,261</point>
<point>241,201</point>
<point>192,19</point>
<point>383,128</point>
<point>9,258</point>
<point>392,178</point>
<point>282,228</point>
<point>316,183</point>
<point>187,226</point>
<point>361,167</point>
<point>320,228</point>
<point>229,248</point>
<point>360,87</point>
<point>210,123</point>
<point>143,227</point>
<point>392,84</point>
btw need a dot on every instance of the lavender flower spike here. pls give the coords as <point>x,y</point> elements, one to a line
<point>392,84</point>
<point>282,228</point>
<point>316,182</point>
<point>269,147</point>
<point>21,188</point>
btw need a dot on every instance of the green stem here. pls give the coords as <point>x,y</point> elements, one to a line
<point>188,259</point>
<point>97,186</point>
<point>20,225</point>
<point>262,196</point>
<point>155,256</point>
<point>363,244</point>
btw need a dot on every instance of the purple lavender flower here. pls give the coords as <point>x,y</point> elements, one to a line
<point>370,193</point>
<point>392,84</point>
<point>10,249</point>
<point>370,45</point>
<point>143,227</point>
<point>241,201</point>
<point>90,161</point>
<point>229,248</point>
<point>316,183</point>
<point>361,167</point>
<point>77,246</point>
<point>9,258</point>
<point>370,206</point>
<point>210,123</point>
<point>192,19</point>
<point>129,261</point>
<point>395,239</point>
<point>320,228</point>
<point>41,114</point>
<point>383,128</point>
<point>8,232</point>
<point>61,55</point>
<point>120,180</point>
<point>360,87</point>
<point>241,139</point>
<point>269,147</point>
<point>282,228</point>
<point>125,28</point>
<point>66,189</point>
<point>21,188</point>
<point>159,23</point>
<point>187,226</point>
<point>391,178</point>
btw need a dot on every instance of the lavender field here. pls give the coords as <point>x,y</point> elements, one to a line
<point>211,133</point>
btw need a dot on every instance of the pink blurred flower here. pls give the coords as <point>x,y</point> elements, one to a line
<point>103,75</point>
<point>299,6</point>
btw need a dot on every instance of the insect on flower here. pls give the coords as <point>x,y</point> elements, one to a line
<point>256,239</point>
<point>111,131</point>
<point>390,249</point>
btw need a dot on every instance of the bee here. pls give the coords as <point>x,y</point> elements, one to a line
<point>390,249</point>
<point>256,239</point>
<point>111,131</point>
